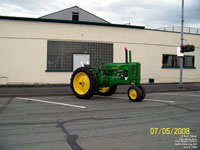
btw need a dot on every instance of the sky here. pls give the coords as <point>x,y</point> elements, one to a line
<point>148,13</point>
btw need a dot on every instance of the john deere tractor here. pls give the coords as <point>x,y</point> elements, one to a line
<point>104,79</point>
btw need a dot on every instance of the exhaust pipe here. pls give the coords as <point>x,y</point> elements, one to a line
<point>126,55</point>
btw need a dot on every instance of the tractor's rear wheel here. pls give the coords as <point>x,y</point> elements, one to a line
<point>134,94</point>
<point>83,83</point>
<point>107,91</point>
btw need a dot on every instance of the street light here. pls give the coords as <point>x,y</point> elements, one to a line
<point>181,58</point>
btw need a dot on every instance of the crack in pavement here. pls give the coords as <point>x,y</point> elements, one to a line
<point>183,108</point>
<point>5,106</point>
<point>55,122</point>
<point>70,138</point>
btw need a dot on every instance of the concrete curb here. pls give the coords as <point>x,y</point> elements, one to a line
<point>71,94</point>
<point>68,85</point>
<point>65,90</point>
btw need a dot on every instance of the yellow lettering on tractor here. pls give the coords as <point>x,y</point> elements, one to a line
<point>115,67</point>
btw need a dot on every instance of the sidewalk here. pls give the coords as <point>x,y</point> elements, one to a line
<point>63,90</point>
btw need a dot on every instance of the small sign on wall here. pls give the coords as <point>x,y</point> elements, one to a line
<point>179,52</point>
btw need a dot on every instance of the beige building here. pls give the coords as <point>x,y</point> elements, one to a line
<point>40,51</point>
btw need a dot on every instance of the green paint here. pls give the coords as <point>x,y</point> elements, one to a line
<point>130,59</point>
<point>112,74</point>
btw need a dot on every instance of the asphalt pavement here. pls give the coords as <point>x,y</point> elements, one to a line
<point>163,121</point>
<point>64,90</point>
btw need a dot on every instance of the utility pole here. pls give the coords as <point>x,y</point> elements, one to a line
<point>181,58</point>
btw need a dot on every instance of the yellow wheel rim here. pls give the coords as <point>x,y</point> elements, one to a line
<point>133,94</point>
<point>81,83</point>
<point>104,89</point>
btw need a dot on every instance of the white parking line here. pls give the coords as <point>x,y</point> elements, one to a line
<point>156,100</point>
<point>174,94</point>
<point>56,103</point>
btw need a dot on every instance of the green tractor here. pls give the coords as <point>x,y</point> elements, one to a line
<point>103,80</point>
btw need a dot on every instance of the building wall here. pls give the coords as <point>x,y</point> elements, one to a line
<point>23,50</point>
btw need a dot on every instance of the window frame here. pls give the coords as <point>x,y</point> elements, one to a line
<point>75,16</point>
<point>178,66</point>
<point>92,44</point>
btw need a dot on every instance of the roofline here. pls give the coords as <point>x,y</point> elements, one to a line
<point>92,14</point>
<point>170,31</point>
<point>70,21</point>
<point>71,8</point>
<point>56,12</point>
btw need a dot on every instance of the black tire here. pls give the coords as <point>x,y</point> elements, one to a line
<point>134,94</point>
<point>143,92</point>
<point>110,92</point>
<point>92,83</point>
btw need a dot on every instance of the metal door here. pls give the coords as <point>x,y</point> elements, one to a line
<point>80,59</point>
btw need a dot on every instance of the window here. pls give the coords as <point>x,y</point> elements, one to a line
<point>188,61</point>
<point>172,61</point>
<point>75,16</point>
<point>59,53</point>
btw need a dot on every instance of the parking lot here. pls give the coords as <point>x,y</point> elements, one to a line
<point>99,123</point>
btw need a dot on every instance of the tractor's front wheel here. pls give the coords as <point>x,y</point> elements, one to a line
<point>134,94</point>
<point>83,83</point>
<point>107,91</point>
